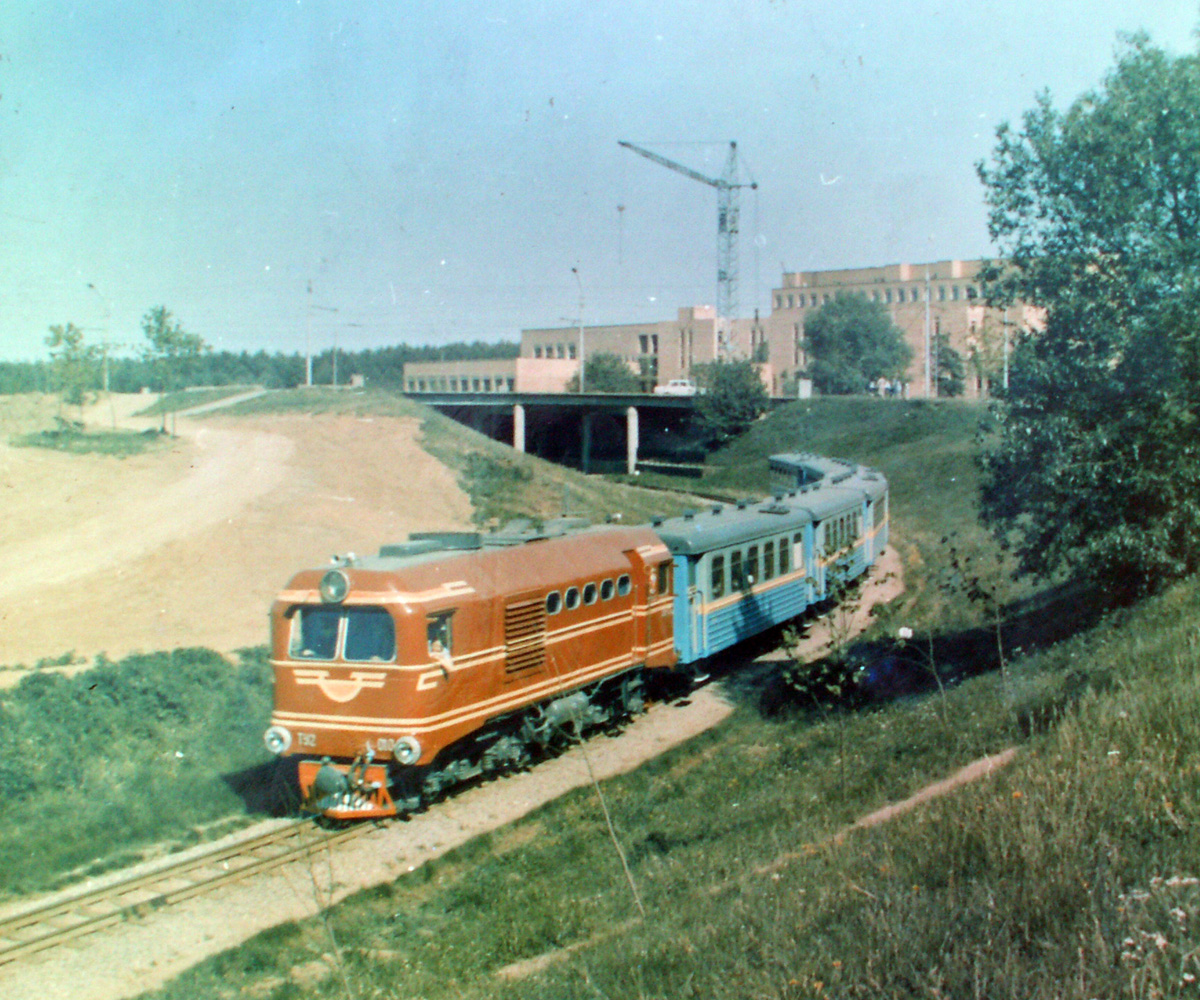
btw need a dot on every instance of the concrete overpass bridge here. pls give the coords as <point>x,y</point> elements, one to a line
<point>593,431</point>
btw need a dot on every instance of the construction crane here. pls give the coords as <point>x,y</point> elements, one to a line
<point>727,186</point>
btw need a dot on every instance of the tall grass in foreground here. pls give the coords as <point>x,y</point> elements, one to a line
<point>1073,873</point>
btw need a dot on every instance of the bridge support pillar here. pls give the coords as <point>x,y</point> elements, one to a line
<point>585,444</point>
<point>518,427</point>
<point>631,440</point>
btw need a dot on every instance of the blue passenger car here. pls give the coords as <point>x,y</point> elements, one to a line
<point>741,570</point>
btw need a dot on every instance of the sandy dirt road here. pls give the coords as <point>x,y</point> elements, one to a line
<point>188,544</point>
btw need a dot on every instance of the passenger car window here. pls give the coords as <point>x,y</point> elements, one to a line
<point>718,576</point>
<point>606,590</point>
<point>624,584</point>
<point>589,593</point>
<point>664,578</point>
<point>736,580</point>
<point>553,602</point>
<point>571,601</point>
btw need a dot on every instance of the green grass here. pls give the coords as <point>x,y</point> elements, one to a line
<point>1033,882</point>
<point>185,399</point>
<point>125,755</point>
<point>120,444</point>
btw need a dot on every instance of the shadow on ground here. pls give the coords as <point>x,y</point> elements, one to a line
<point>881,670</point>
<point>272,788</point>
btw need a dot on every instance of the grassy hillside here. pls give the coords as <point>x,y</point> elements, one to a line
<point>1072,873</point>
<point>153,748</point>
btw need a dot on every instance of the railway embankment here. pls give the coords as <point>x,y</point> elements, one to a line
<point>1068,866</point>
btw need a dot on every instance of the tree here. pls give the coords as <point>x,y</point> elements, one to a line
<point>1095,466</point>
<point>851,343</point>
<point>948,368</point>
<point>73,363</point>
<point>169,349</point>
<point>606,373</point>
<point>732,397</point>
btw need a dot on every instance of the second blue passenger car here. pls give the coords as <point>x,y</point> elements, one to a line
<point>741,570</point>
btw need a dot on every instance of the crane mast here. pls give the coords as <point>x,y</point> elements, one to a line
<point>727,186</point>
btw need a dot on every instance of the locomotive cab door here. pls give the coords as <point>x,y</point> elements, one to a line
<point>654,633</point>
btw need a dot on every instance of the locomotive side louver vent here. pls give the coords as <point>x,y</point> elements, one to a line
<point>525,636</point>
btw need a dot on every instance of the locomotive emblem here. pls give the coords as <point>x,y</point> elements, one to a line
<point>343,690</point>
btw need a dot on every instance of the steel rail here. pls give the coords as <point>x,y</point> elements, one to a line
<point>58,921</point>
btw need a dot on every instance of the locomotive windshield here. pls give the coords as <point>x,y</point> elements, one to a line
<point>364,635</point>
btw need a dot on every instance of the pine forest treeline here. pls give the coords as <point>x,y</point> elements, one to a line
<point>381,367</point>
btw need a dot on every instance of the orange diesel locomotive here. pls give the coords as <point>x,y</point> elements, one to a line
<point>452,655</point>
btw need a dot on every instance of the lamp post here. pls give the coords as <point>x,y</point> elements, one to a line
<point>308,341</point>
<point>929,374</point>
<point>1005,347</point>
<point>579,282</point>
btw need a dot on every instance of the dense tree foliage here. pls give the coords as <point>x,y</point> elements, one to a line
<point>604,372</point>
<point>1096,210</point>
<point>949,371</point>
<point>851,343</point>
<point>732,397</point>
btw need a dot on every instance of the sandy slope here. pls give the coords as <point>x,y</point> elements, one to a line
<point>187,546</point>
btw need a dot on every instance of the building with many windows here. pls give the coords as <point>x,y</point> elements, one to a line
<point>936,303</point>
<point>932,304</point>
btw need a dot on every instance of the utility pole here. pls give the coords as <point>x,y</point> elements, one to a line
<point>105,347</point>
<point>579,282</point>
<point>308,339</point>
<point>928,296</point>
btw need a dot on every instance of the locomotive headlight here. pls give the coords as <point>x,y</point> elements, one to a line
<point>407,750</point>
<point>277,739</point>
<point>335,585</point>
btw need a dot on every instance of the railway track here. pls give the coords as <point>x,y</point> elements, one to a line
<point>65,919</point>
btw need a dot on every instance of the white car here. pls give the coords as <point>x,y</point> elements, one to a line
<point>676,387</point>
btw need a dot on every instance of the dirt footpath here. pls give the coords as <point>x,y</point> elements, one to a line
<point>187,545</point>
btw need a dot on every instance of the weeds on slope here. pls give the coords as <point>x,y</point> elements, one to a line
<point>1070,873</point>
<point>95,766</point>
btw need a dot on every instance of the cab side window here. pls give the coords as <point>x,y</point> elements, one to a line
<point>438,633</point>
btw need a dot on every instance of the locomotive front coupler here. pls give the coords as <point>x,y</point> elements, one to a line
<point>357,791</point>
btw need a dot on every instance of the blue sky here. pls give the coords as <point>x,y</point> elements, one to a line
<point>436,169</point>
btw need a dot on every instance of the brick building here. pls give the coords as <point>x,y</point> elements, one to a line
<point>925,301</point>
